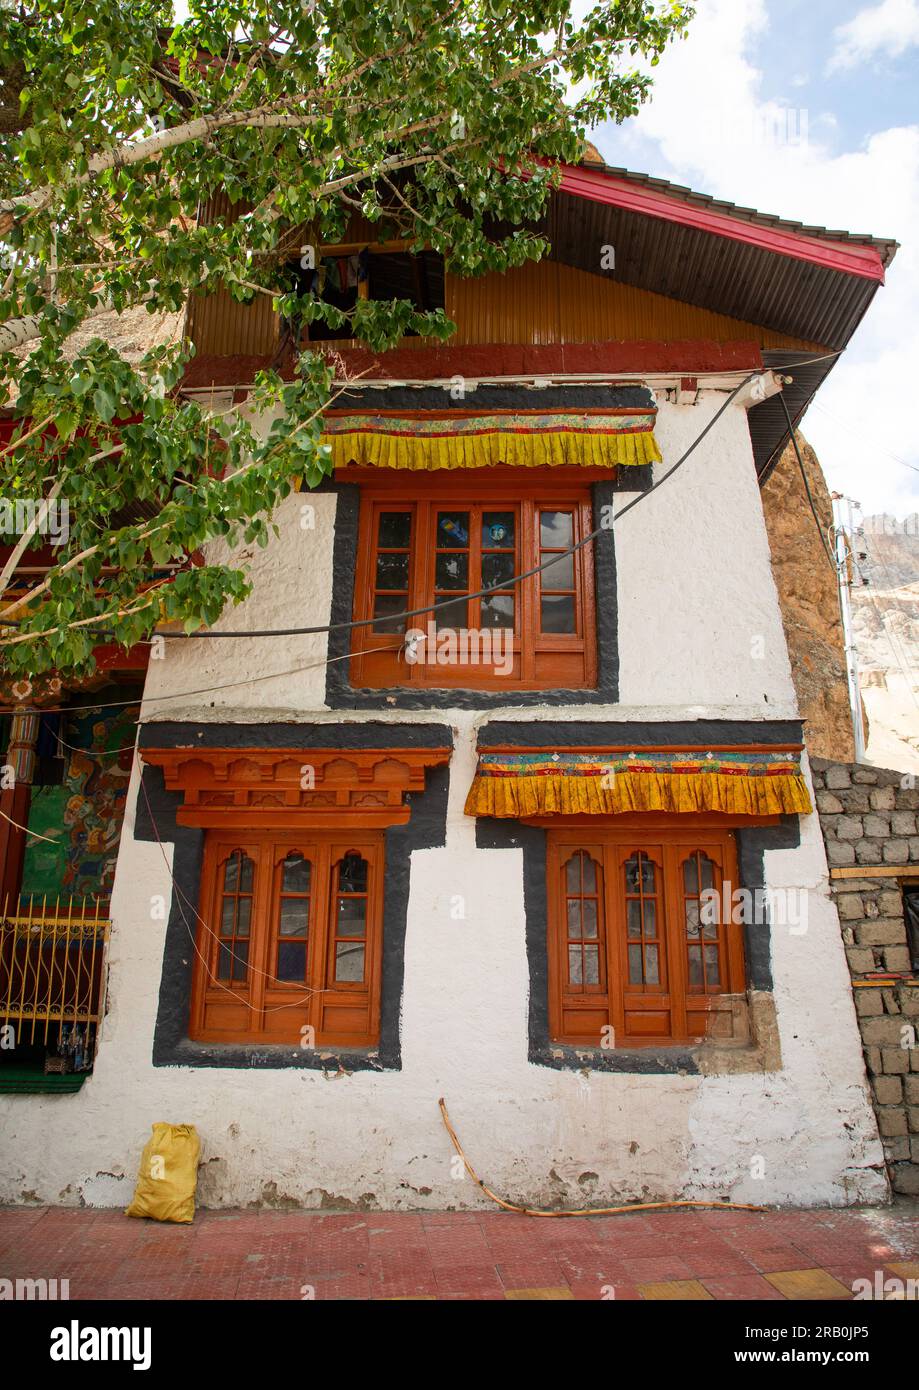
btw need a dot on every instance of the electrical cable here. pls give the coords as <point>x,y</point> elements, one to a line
<point>449,602</point>
<point>180,895</point>
<point>807,487</point>
<point>579,1211</point>
<point>481,593</point>
<point>347,626</point>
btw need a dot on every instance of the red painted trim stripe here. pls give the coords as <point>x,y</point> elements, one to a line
<point>597,187</point>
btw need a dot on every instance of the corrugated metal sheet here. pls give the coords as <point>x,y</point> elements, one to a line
<point>768,427</point>
<point>552,303</point>
<point>744,282</point>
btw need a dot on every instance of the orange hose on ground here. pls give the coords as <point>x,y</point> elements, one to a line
<point>580,1211</point>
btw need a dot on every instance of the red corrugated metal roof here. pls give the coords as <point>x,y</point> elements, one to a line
<point>835,251</point>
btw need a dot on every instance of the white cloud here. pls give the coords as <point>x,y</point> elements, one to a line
<point>711,126</point>
<point>885,30</point>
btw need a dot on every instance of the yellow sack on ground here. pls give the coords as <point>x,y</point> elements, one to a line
<point>168,1175</point>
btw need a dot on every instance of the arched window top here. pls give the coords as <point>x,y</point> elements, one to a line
<point>581,873</point>
<point>296,871</point>
<point>237,872</point>
<point>698,873</point>
<point>352,873</point>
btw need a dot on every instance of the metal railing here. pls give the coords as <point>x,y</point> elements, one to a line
<point>52,959</point>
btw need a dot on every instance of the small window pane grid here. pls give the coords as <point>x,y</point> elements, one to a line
<point>429,552</point>
<point>297,942</point>
<point>631,957</point>
<point>704,943</point>
<point>643,917</point>
<point>391,580</point>
<point>350,919</point>
<point>558,596</point>
<point>585,924</point>
<point>235,919</point>
<point>294,918</point>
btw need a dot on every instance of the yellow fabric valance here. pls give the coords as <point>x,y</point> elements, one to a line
<point>428,442</point>
<point>737,783</point>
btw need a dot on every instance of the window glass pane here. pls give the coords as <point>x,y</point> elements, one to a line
<point>691,875</point>
<point>455,615</point>
<point>231,874</point>
<point>292,960</point>
<point>452,530</point>
<point>384,606</point>
<point>558,575</point>
<point>245,881</point>
<point>692,918</point>
<point>392,571</point>
<point>395,529</point>
<point>352,874</point>
<point>575,976</point>
<point>295,916</point>
<point>574,918</point>
<point>556,530</point>
<point>352,914</point>
<point>498,530</point>
<point>652,973</point>
<point>557,615</point>
<point>631,875</point>
<point>636,976</point>
<point>242,917</point>
<point>589,917</point>
<point>227,917</point>
<point>590,874</point>
<point>451,572</point>
<point>296,876</point>
<point>634,915</point>
<point>712,971</point>
<point>591,965</point>
<point>648,876</point>
<point>497,570</point>
<point>650,919</point>
<point>573,873</point>
<point>498,611</point>
<point>349,961</point>
<point>696,980</point>
<point>232,962</point>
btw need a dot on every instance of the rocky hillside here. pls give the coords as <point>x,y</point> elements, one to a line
<point>810,603</point>
<point>886,624</point>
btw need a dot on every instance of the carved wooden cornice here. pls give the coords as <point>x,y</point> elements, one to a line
<point>283,788</point>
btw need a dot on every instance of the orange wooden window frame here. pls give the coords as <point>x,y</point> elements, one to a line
<point>542,661</point>
<point>264,1009</point>
<point>665,1010</point>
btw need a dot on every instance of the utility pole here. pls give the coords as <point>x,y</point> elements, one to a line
<point>844,534</point>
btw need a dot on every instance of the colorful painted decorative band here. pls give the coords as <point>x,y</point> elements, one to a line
<point>475,441</point>
<point>740,783</point>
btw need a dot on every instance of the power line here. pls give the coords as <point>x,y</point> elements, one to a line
<point>209,634</point>
<point>807,486</point>
<point>348,626</point>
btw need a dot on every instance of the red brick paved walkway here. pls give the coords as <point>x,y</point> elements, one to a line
<point>462,1255</point>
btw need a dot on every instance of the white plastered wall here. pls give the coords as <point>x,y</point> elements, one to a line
<point>700,636</point>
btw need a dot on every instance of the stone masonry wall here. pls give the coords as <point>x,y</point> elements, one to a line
<point>869,818</point>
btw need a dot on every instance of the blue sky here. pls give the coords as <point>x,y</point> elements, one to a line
<point>808,109</point>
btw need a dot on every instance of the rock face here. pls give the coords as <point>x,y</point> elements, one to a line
<point>810,603</point>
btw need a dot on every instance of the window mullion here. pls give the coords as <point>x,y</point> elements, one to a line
<point>260,932</point>
<point>316,968</point>
<point>614,907</point>
<point>527,558</point>
<point>674,927</point>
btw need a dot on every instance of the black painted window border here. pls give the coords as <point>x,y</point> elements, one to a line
<point>425,829</point>
<point>752,844</point>
<point>341,694</point>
